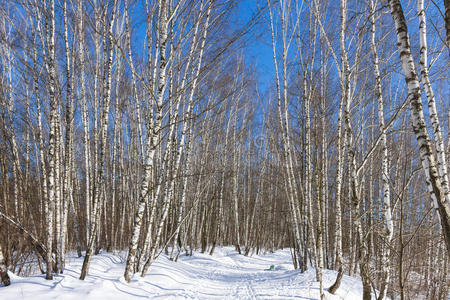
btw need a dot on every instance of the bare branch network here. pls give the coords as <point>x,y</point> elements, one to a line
<point>177,125</point>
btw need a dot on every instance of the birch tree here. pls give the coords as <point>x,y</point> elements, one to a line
<point>107,78</point>
<point>84,116</point>
<point>152,138</point>
<point>282,99</point>
<point>342,144</point>
<point>388,228</point>
<point>53,138</point>
<point>434,181</point>
<point>4,277</point>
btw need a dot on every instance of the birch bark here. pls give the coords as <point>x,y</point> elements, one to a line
<point>388,225</point>
<point>428,160</point>
<point>291,190</point>
<point>441,162</point>
<point>84,117</point>
<point>187,130</point>
<point>4,277</point>
<point>53,139</point>
<point>342,145</point>
<point>107,78</point>
<point>152,141</point>
<point>67,185</point>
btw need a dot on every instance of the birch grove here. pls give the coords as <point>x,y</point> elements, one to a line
<point>176,126</point>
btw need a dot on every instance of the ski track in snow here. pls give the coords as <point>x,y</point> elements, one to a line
<point>225,275</point>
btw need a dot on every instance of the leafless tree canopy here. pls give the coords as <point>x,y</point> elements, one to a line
<point>147,126</point>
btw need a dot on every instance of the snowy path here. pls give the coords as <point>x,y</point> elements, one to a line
<point>225,275</point>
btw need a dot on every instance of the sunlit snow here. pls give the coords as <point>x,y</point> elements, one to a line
<point>225,275</point>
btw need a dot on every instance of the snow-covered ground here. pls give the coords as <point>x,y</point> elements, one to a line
<point>225,275</point>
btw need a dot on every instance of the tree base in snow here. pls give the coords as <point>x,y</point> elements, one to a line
<point>4,278</point>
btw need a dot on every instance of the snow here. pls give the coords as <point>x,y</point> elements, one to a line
<point>225,275</point>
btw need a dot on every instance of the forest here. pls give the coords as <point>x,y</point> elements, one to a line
<point>174,126</point>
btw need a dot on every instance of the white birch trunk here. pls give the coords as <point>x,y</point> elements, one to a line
<point>168,197</point>
<point>441,162</point>
<point>152,141</point>
<point>107,79</point>
<point>291,191</point>
<point>186,130</point>
<point>53,138</point>
<point>342,145</point>
<point>4,277</point>
<point>433,182</point>
<point>40,138</point>
<point>388,225</point>
<point>84,117</point>
<point>67,185</point>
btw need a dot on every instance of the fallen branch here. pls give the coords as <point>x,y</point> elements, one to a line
<point>40,248</point>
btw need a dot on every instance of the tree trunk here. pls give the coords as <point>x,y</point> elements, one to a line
<point>4,277</point>
<point>287,160</point>
<point>345,94</point>
<point>53,139</point>
<point>152,141</point>
<point>433,181</point>
<point>388,225</point>
<point>107,78</point>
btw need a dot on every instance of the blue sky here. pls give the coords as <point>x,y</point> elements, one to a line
<point>258,51</point>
